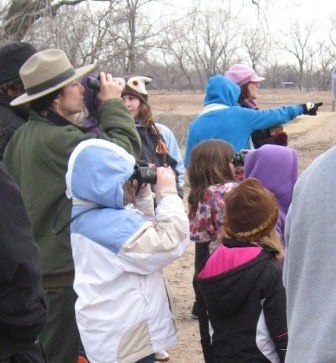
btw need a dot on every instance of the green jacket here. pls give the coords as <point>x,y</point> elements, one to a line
<point>37,157</point>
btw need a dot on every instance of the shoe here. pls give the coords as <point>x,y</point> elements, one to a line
<point>194,316</point>
<point>161,356</point>
<point>194,311</point>
<point>82,359</point>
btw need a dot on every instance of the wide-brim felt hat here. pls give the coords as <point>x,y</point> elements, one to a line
<point>45,72</point>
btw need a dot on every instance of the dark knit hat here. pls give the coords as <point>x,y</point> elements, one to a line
<point>251,211</point>
<point>136,86</point>
<point>12,57</point>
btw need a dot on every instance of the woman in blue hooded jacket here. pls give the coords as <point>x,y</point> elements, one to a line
<point>222,118</point>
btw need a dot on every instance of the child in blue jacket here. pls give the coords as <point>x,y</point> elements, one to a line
<point>120,245</point>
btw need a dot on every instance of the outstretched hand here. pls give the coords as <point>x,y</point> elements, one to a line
<point>311,108</point>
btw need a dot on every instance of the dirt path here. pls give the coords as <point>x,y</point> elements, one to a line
<point>311,136</point>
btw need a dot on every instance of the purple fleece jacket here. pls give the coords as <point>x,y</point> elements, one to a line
<point>277,168</point>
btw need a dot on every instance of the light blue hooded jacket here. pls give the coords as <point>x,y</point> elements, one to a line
<point>222,119</point>
<point>122,310</point>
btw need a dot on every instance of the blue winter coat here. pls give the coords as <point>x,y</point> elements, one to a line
<point>223,119</point>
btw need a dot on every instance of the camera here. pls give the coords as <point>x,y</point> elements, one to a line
<point>239,158</point>
<point>144,173</point>
<point>93,83</point>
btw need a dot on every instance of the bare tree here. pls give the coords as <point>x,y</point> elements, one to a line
<point>18,16</point>
<point>214,41</point>
<point>206,41</point>
<point>299,43</point>
<point>120,36</point>
<point>324,60</point>
<point>180,52</point>
<point>81,32</point>
<point>176,50</point>
<point>332,32</point>
<point>256,44</point>
<point>137,35</point>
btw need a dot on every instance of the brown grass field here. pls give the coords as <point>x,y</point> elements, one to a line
<point>310,135</point>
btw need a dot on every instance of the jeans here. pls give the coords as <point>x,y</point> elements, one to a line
<point>60,338</point>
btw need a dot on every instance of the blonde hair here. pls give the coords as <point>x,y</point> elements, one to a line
<point>273,240</point>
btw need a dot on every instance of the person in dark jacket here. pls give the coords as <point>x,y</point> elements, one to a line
<point>37,157</point>
<point>241,281</point>
<point>12,57</point>
<point>159,145</point>
<point>23,308</point>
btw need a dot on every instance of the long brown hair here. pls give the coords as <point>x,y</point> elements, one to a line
<point>209,165</point>
<point>145,114</point>
<point>146,118</point>
<point>244,92</point>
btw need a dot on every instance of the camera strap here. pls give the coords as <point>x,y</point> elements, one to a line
<point>62,228</point>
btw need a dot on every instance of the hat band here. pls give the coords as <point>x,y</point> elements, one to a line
<point>270,221</point>
<point>51,82</point>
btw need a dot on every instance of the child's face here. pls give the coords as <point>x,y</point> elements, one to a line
<point>133,104</point>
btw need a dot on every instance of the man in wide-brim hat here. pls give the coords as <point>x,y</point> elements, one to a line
<point>37,156</point>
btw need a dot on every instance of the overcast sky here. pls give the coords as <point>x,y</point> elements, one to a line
<point>278,12</point>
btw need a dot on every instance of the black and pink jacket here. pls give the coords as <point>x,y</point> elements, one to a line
<point>242,288</point>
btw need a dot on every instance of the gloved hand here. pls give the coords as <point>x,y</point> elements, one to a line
<point>311,108</point>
